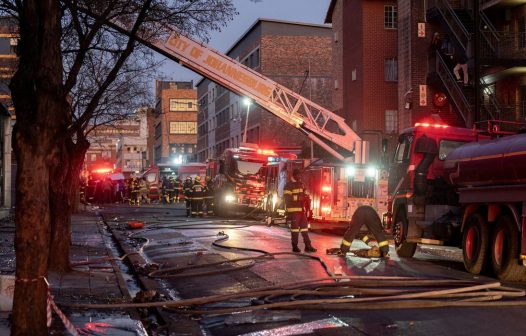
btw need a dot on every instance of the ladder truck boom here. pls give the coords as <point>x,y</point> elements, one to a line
<point>313,120</point>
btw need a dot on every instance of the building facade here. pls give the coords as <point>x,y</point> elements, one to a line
<point>365,68</point>
<point>132,148</point>
<point>496,53</point>
<point>173,123</point>
<point>296,55</point>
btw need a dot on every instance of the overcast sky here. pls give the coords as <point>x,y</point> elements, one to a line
<point>311,11</point>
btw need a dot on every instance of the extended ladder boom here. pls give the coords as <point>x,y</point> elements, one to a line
<point>312,119</point>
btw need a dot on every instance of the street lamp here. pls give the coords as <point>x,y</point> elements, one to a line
<point>247,102</point>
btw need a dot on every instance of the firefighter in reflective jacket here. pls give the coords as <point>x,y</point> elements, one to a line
<point>187,188</point>
<point>178,188</point>
<point>366,215</point>
<point>209,196</point>
<point>197,195</point>
<point>295,196</point>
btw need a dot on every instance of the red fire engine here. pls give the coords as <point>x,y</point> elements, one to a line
<point>465,188</point>
<point>239,177</point>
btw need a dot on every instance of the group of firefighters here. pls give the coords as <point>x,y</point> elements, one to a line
<point>297,206</point>
<point>199,198</point>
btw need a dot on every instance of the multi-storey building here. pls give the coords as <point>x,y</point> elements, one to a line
<point>132,149</point>
<point>364,45</point>
<point>492,34</point>
<point>174,123</point>
<point>296,55</point>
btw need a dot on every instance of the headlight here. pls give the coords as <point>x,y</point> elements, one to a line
<point>230,198</point>
<point>274,199</point>
<point>350,170</point>
<point>371,172</point>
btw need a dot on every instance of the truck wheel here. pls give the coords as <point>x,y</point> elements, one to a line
<point>475,244</point>
<point>505,251</point>
<point>403,248</point>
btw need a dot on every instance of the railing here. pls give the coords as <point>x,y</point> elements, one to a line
<point>455,92</point>
<point>490,104</point>
<point>489,34</point>
<point>455,25</point>
<point>509,45</point>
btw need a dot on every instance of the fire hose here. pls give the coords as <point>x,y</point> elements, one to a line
<point>333,292</point>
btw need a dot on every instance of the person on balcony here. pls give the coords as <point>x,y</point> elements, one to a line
<point>462,63</point>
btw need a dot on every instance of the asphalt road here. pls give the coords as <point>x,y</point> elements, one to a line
<point>172,240</point>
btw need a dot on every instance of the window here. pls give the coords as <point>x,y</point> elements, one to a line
<point>390,17</point>
<point>183,127</point>
<point>522,32</point>
<point>403,150</point>
<point>391,121</point>
<point>183,105</point>
<point>447,146</point>
<point>390,70</point>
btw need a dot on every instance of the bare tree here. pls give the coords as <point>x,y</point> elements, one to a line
<point>56,95</point>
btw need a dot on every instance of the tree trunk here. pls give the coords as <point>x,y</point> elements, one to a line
<point>42,110</point>
<point>64,184</point>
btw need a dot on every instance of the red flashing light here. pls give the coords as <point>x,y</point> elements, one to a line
<point>431,125</point>
<point>326,209</point>
<point>102,170</point>
<point>326,188</point>
<point>266,152</point>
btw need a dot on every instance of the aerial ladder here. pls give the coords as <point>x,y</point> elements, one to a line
<point>319,124</point>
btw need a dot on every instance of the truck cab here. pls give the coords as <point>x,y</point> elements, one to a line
<point>418,192</point>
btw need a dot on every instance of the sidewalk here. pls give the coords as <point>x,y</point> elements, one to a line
<point>93,283</point>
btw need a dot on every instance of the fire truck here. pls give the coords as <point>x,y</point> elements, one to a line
<point>465,188</point>
<point>239,176</point>
<point>317,123</point>
<point>155,174</point>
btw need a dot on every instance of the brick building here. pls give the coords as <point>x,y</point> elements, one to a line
<point>296,55</point>
<point>496,54</point>
<point>174,123</point>
<point>365,67</point>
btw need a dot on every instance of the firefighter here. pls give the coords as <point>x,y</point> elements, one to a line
<point>295,197</point>
<point>209,196</point>
<point>164,186</point>
<point>366,215</point>
<point>135,189</point>
<point>170,190</point>
<point>178,188</point>
<point>197,195</point>
<point>187,188</point>
<point>144,191</point>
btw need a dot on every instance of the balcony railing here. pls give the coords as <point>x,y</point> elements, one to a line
<point>509,45</point>
<point>456,27</point>
<point>455,92</point>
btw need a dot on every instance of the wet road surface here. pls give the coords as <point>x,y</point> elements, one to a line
<point>171,240</point>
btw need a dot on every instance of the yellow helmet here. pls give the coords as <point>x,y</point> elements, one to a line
<point>198,178</point>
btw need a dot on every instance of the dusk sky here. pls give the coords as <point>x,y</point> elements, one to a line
<point>311,11</point>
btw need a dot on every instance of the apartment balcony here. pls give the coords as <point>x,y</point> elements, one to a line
<point>506,48</point>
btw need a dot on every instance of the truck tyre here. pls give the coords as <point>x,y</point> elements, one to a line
<point>475,239</point>
<point>403,248</point>
<point>504,257</point>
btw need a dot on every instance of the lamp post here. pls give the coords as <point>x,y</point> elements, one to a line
<point>247,102</point>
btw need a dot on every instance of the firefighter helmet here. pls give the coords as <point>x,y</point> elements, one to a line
<point>207,178</point>
<point>198,178</point>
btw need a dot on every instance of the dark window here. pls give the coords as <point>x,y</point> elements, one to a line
<point>390,17</point>
<point>447,146</point>
<point>522,32</point>
<point>390,70</point>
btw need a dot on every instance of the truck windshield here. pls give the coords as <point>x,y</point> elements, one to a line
<point>447,146</point>
<point>248,167</point>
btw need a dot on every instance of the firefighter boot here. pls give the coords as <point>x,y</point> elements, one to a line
<point>384,248</point>
<point>308,245</point>
<point>295,237</point>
